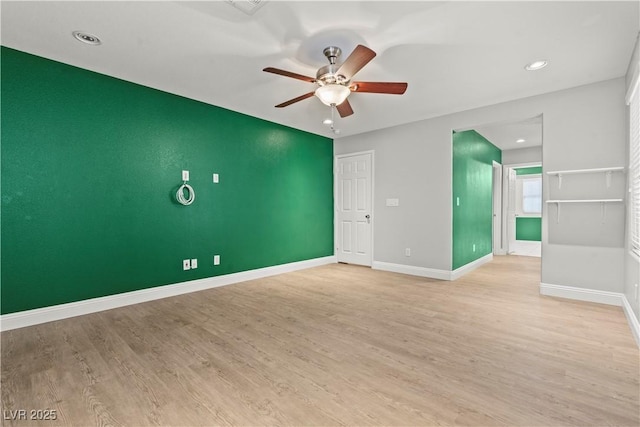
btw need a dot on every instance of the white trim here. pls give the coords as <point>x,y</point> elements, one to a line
<point>497,240</point>
<point>63,311</point>
<point>461,271</point>
<point>581,294</point>
<point>632,319</point>
<point>592,295</point>
<point>633,86</point>
<point>432,273</point>
<point>634,67</point>
<point>525,164</point>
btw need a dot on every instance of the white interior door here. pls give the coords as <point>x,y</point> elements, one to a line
<point>353,207</point>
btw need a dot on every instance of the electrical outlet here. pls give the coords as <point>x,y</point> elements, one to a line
<point>216,260</point>
<point>407,252</point>
<point>194,263</point>
<point>186,264</point>
<point>216,178</point>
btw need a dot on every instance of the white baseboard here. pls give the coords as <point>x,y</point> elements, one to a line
<point>461,271</point>
<point>581,294</point>
<point>632,319</point>
<point>592,295</point>
<point>432,273</point>
<point>64,311</point>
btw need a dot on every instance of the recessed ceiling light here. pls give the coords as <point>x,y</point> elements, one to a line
<point>536,65</point>
<point>519,141</point>
<point>86,38</point>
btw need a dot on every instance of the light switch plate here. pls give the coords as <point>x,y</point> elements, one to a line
<point>216,260</point>
<point>216,178</point>
<point>186,264</point>
<point>194,263</point>
<point>185,175</point>
<point>393,202</point>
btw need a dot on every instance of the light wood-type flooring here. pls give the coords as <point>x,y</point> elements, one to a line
<point>335,345</point>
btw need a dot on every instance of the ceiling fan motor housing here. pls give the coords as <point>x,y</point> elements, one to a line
<point>328,73</point>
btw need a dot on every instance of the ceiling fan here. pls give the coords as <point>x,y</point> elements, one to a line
<point>334,83</point>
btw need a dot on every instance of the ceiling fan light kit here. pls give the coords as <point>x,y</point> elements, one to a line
<point>334,83</point>
<point>332,94</point>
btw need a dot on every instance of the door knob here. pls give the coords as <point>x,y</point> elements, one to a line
<point>368,217</point>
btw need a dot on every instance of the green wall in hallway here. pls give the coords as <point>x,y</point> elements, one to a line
<point>529,170</point>
<point>473,157</point>
<point>90,167</point>
<point>529,229</point>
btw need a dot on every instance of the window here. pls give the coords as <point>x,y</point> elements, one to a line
<point>634,168</point>
<point>532,195</point>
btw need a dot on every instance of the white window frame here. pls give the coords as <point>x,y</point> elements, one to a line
<point>538,179</point>
<point>519,196</point>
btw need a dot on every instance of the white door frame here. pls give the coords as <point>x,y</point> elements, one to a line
<point>497,203</point>
<point>505,194</point>
<point>336,232</point>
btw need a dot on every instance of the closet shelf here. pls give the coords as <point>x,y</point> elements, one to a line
<point>603,203</point>
<point>586,201</point>
<point>595,170</point>
<point>607,173</point>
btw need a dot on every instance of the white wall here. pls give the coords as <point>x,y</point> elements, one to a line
<point>522,155</point>
<point>583,127</point>
<point>632,265</point>
<point>412,164</point>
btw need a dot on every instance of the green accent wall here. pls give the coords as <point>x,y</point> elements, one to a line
<point>529,171</point>
<point>529,229</point>
<point>90,168</point>
<point>473,157</point>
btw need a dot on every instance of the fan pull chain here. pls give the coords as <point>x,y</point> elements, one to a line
<point>333,129</point>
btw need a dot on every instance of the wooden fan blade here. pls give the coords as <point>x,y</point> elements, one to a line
<point>289,74</point>
<point>379,87</point>
<point>344,109</point>
<point>360,57</point>
<point>294,100</point>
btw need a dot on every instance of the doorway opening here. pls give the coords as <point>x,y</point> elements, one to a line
<point>523,185</point>
<point>516,185</point>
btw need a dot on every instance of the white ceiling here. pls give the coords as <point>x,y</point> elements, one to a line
<point>454,55</point>
<point>505,135</point>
